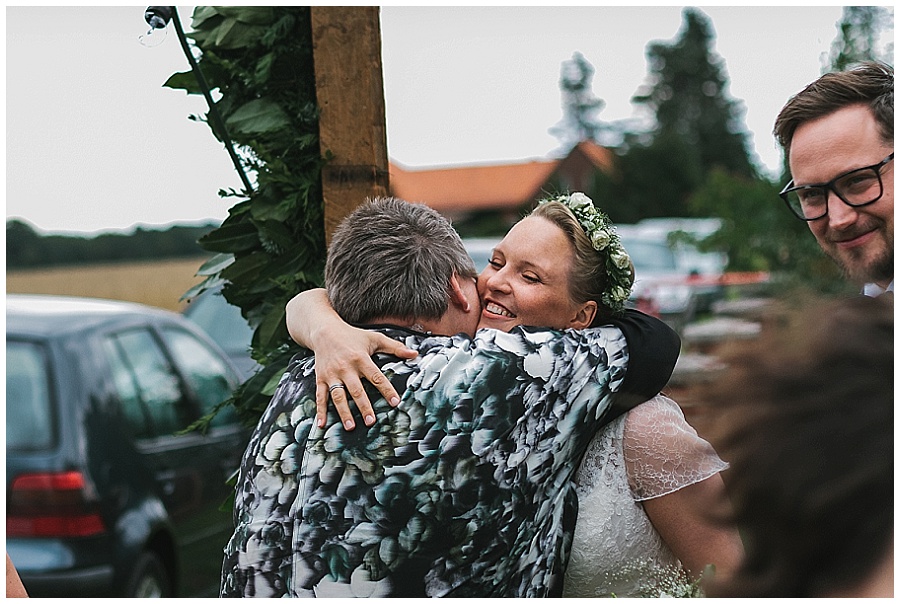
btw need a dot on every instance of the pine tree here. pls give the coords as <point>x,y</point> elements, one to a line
<point>580,106</point>
<point>860,31</point>
<point>688,94</point>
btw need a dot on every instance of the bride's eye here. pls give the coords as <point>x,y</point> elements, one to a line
<point>531,278</point>
<point>495,263</point>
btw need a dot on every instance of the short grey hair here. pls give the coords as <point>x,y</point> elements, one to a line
<point>394,258</point>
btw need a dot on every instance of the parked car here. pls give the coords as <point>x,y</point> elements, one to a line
<point>104,496</point>
<point>705,269</point>
<point>672,279</point>
<point>223,322</point>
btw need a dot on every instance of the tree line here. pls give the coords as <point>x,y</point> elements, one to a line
<point>26,248</point>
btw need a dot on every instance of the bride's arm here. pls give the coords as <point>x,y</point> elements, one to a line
<point>676,476</point>
<point>343,356</point>
<point>683,520</point>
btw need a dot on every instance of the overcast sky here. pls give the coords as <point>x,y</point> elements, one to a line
<point>94,142</point>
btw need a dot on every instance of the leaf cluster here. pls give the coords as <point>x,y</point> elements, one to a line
<point>258,63</point>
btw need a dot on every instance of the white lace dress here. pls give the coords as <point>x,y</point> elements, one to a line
<point>647,453</point>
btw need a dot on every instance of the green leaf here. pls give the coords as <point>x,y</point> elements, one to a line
<point>202,14</point>
<point>258,117</point>
<point>233,34</point>
<point>230,238</point>
<point>276,232</point>
<point>272,385</point>
<point>248,265</point>
<point>215,264</point>
<point>270,207</point>
<point>184,80</point>
<point>208,283</point>
<point>254,15</point>
<point>272,331</point>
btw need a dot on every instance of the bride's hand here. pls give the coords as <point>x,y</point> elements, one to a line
<point>341,366</point>
<point>343,357</point>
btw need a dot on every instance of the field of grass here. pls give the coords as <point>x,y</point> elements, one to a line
<point>160,283</point>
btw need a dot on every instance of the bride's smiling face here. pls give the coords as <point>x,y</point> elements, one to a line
<point>527,281</point>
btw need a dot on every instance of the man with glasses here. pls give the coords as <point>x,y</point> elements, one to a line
<point>838,138</point>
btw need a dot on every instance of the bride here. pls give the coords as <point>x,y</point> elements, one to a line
<point>647,483</point>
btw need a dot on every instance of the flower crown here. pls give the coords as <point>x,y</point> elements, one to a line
<point>602,234</point>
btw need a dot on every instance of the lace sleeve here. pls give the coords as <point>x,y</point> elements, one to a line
<point>662,452</point>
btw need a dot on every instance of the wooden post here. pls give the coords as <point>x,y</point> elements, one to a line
<point>350,95</point>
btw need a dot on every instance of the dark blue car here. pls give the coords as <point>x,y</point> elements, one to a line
<point>104,496</point>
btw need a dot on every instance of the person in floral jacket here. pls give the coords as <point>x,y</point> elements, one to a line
<point>462,487</point>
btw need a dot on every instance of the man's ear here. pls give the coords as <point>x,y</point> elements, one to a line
<point>584,316</point>
<point>458,296</point>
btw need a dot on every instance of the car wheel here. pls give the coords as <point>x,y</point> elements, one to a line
<point>149,579</point>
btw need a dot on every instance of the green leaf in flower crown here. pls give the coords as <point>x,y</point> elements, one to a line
<point>258,117</point>
<point>338,561</point>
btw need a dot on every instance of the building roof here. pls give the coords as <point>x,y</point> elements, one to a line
<point>485,187</point>
<point>471,187</point>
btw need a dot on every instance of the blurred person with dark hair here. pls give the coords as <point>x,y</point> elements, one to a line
<point>808,425</point>
<point>838,138</point>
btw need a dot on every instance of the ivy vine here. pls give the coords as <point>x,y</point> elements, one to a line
<point>258,62</point>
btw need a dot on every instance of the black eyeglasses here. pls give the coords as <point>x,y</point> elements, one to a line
<point>856,188</point>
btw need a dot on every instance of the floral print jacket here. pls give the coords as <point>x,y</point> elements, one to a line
<point>462,490</point>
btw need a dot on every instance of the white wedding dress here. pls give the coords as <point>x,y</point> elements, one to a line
<point>647,453</point>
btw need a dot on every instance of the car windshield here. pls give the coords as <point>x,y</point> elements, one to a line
<point>28,413</point>
<point>648,255</point>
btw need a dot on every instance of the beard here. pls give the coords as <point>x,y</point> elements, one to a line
<point>866,265</point>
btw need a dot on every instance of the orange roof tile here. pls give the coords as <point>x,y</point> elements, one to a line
<point>471,187</point>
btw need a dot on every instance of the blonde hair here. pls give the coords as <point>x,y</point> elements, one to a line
<point>588,276</point>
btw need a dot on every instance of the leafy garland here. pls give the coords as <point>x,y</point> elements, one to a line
<point>272,244</point>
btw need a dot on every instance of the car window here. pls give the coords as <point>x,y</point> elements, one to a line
<point>221,320</point>
<point>207,374</point>
<point>649,255</point>
<point>126,385</point>
<point>28,411</point>
<point>151,382</point>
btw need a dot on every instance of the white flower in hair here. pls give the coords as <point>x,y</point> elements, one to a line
<point>579,200</point>
<point>620,258</point>
<point>600,239</point>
